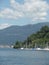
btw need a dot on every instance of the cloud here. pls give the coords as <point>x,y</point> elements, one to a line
<point>5,25</point>
<point>10,13</point>
<point>34,9</point>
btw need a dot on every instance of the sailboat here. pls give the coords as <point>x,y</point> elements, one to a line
<point>27,47</point>
<point>37,48</point>
<point>47,47</point>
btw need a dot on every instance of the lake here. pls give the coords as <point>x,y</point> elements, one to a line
<point>23,57</point>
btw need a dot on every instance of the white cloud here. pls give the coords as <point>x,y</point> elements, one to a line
<point>5,25</point>
<point>34,9</point>
<point>10,13</point>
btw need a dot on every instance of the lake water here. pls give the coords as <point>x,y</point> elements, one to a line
<point>23,57</point>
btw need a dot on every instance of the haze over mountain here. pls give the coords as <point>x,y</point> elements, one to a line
<point>13,33</point>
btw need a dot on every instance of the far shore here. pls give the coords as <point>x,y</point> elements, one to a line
<point>6,46</point>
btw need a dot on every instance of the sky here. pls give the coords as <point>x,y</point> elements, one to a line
<point>23,12</point>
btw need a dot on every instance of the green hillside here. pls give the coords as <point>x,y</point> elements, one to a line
<point>40,39</point>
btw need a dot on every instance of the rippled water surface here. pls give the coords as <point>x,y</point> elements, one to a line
<point>23,57</point>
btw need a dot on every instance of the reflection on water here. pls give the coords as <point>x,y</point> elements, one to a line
<point>23,57</point>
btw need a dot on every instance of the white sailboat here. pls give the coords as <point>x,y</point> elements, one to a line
<point>47,47</point>
<point>37,48</point>
<point>21,48</point>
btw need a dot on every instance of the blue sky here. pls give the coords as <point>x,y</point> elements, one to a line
<point>22,12</point>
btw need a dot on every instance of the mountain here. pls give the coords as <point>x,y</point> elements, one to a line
<point>11,34</point>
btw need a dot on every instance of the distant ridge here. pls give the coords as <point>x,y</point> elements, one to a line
<point>13,33</point>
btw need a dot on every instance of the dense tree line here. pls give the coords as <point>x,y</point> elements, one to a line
<point>38,39</point>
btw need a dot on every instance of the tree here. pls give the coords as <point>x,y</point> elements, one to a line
<point>17,44</point>
<point>40,38</point>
